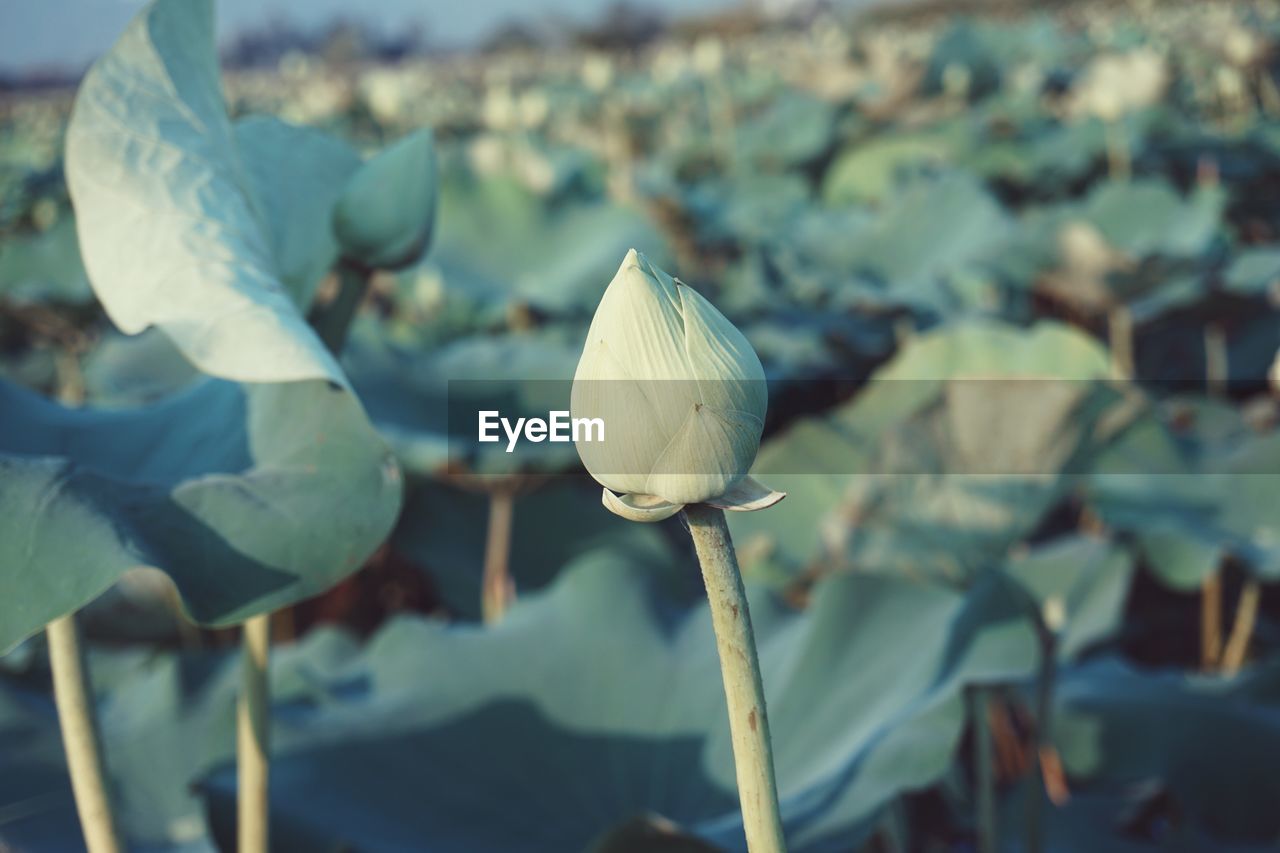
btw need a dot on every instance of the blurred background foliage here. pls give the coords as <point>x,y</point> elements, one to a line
<point>1087,192</point>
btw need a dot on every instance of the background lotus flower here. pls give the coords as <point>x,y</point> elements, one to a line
<point>385,215</point>
<point>682,396</point>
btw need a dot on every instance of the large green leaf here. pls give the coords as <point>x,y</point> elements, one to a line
<point>953,452</point>
<point>249,497</point>
<point>1191,498</point>
<point>792,131</point>
<point>555,257</point>
<point>1083,581</point>
<point>1210,745</point>
<point>867,172</point>
<point>172,227</point>
<point>1148,217</point>
<point>596,702</point>
<point>932,233</point>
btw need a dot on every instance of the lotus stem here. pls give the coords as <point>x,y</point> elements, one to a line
<point>1043,740</point>
<point>1119,160</point>
<point>743,686</point>
<point>496,586</point>
<point>253,710</point>
<point>1120,339</point>
<point>1242,628</point>
<point>984,771</point>
<point>77,718</point>
<point>334,321</point>
<point>252,733</point>
<point>1211,620</point>
<point>1216,364</point>
<point>1268,93</point>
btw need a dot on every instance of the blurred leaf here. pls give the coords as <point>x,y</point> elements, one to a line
<point>229,489</point>
<point>1086,578</point>
<point>44,267</point>
<point>557,258</point>
<point>1210,743</point>
<point>952,453</point>
<point>1191,500</point>
<point>1147,217</point>
<point>936,229</point>
<point>130,370</point>
<point>1255,270</point>
<point>617,701</point>
<point>792,131</point>
<point>164,718</point>
<point>442,529</point>
<point>425,403</point>
<point>866,173</point>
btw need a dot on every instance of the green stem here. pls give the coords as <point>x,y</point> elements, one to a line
<point>1119,161</point>
<point>743,687</point>
<point>984,771</point>
<point>253,721</point>
<point>76,716</point>
<point>1211,620</point>
<point>1120,339</point>
<point>496,587</point>
<point>1042,740</point>
<point>1242,628</point>
<point>334,320</point>
<point>1216,364</point>
<point>252,732</point>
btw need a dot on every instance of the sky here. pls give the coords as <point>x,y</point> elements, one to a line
<point>70,33</point>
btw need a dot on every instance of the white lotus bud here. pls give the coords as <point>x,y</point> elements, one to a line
<point>681,394</point>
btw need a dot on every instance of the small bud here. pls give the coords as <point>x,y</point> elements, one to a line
<point>682,396</point>
<point>384,218</point>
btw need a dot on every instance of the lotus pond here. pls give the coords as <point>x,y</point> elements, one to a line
<point>1013,282</point>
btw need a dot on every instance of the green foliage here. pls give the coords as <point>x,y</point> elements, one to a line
<point>935,236</point>
<point>224,487</point>
<point>442,699</point>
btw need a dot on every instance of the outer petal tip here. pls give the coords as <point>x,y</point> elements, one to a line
<point>747,495</point>
<point>636,507</point>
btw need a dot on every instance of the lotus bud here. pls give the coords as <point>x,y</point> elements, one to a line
<point>384,218</point>
<point>681,394</point>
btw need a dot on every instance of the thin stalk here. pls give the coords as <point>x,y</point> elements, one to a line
<point>496,587</point>
<point>1043,741</point>
<point>252,733</point>
<point>743,687</point>
<point>1216,365</point>
<point>984,771</point>
<point>1211,620</point>
<point>1268,93</point>
<point>334,321</point>
<point>1119,161</point>
<point>1242,628</point>
<point>77,717</point>
<point>1120,339</point>
<point>253,712</point>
